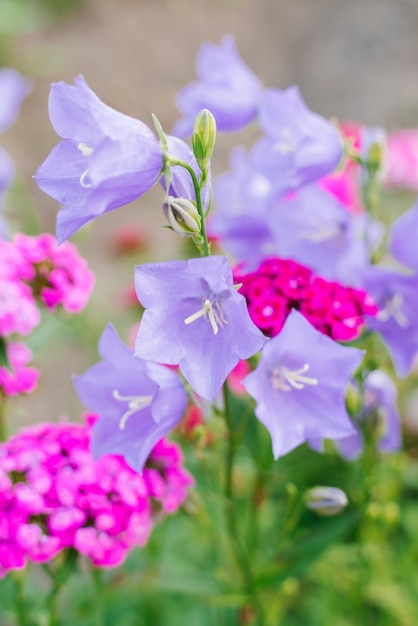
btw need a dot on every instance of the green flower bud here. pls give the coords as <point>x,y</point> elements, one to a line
<point>203,138</point>
<point>183,216</point>
<point>326,500</point>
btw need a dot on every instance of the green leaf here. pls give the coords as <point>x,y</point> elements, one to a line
<point>304,551</point>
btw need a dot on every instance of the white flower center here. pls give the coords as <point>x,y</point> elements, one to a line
<point>85,149</point>
<point>211,312</point>
<point>135,403</point>
<point>87,152</point>
<point>287,143</point>
<point>284,379</point>
<point>393,308</point>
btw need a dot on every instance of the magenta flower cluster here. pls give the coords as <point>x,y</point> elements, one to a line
<point>54,496</point>
<point>18,378</point>
<point>280,285</point>
<point>33,271</point>
<point>55,275</point>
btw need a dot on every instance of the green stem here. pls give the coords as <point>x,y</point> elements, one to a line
<point>22,614</point>
<point>3,429</point>
<point>99,592</point>
<point>174,161</point>
<point>371,203</point>
<point>232,526</point>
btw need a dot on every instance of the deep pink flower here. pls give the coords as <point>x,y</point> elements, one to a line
<point>55,496</point>
<point>280,285</point>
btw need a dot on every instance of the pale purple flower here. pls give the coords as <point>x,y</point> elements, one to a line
<point>13,90</point>
<point>226,86</point>
<point>195,318</point>
<point>403,240</point>
<point>300,383</point>
<point>396,295</point>
<point>309,226</point>
<point>299,146</point>
<point>379,405</point>
<point>138,402</point>
<point>106,158</point>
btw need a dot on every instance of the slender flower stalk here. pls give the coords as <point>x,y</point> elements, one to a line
<point>197,190</point>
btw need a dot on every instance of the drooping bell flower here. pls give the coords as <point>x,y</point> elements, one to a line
<point>298,147</point>
<point>403,242</point>
<point>138,402</point>
<point>194,318</point>
<point>226,87</point>
<point>299,385</point>
<point>396,295</point>
<point>106,158</point>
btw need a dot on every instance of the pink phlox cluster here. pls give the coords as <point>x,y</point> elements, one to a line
<point>18,311</point>
<point>18,378</point>
<point>401,166</point>
<point>55,496</point>
<point>60,274</point>
<point>33,268</point>
<point>280,285</point>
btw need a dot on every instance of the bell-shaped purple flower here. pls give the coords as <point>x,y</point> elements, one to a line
<point>138,402</point>
<point>403,239</point>
<point>13,90</point>
<point>300,383</point>
<point>106,158</point>
<point>396,295</point>
<point>226,86</point>
<point>195,318</point>
<point>299,146</point>
<point>309,226</point>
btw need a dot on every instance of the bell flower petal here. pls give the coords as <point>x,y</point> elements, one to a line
<point>138,402</point>
<point>226,86</point>
<point>194,318</point>
<point>106,159</point>
<point>299,385</point>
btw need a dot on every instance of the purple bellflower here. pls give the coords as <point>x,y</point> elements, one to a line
<point>195,318</point>
<point>299,147</point>
<point>106,158</point>
<point>300,383</point>
<point>379,402</point>
<point>403,240</point>
<point>13,90</point>
<point>396,295</point>
<point>309,226</point>
<point>138,402</point>
<point>226,86</point>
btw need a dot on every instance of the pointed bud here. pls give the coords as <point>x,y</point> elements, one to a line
<point>326,500</point>
<point>183,216</point>
<point>203,138</point>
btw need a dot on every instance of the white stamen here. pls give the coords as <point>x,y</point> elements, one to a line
<point>135,403</point>
<point>393,309</point>
<point>82,179</point>
<point>287,144</point>
<point>284,379</point>
<point>85,149</point>
<point>215,316</point>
